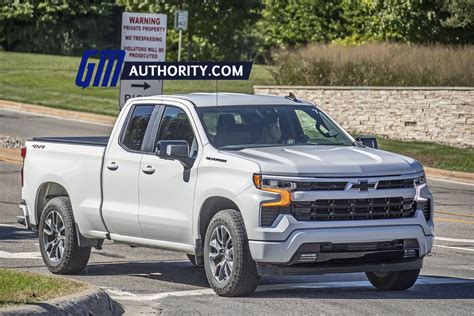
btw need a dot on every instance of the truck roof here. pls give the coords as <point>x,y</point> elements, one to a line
<point>229,99</point>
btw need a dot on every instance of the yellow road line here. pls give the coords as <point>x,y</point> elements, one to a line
<point>455,214</point>
<point>453,220</point>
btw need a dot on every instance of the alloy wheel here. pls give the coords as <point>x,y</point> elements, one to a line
<point>54,236</point>
<point>221,254</point>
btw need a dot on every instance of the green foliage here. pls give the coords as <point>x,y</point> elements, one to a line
<point>235,29</point>
<point>55,27</point>
<point>290,23</point>
<point>376,65</point>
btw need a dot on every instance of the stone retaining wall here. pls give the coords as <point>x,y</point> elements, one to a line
<point>442,115</point>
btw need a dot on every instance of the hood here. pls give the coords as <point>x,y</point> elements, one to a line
<point>329,161</point>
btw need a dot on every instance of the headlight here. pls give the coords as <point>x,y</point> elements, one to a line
<point>282,187</point>
<point>420,180</point>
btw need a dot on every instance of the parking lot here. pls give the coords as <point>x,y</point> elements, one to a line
<point>155,281</point>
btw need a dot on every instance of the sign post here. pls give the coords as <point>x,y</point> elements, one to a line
<point>180,24</point>
<point>144,40</point>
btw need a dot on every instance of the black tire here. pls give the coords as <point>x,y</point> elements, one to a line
<point>396,280</point>
<point>192,259</point>
<point>243,279</point>
<point>74,258</point>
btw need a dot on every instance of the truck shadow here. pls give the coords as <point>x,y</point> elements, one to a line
<point>16,233</point>
<point>182,272</point>
<point>428,287</point>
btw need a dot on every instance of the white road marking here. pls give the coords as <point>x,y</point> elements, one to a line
<point>124,295</point>
<point>470,241</point>
<point>128,296</point>
<point>19,255</point>
<point>450,181</point>
<point>455,248</point>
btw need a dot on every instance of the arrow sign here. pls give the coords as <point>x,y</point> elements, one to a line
<point>144,86</point>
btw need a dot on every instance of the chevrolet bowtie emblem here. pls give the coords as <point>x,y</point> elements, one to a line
<point>363,185</point>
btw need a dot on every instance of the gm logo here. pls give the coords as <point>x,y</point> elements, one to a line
<point>107,59</point>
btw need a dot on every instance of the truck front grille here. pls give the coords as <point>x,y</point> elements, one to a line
<point>343,210</point>
<point>341,185</point>
<point>353,209</point>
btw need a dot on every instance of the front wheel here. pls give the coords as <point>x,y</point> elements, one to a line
<point>58,240</point>
<point>396,280</point>
<point>229,266</point>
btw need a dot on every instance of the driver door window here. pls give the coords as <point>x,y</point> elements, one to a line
<point>175,125</point>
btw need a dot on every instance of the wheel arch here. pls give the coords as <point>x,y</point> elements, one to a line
<point>210,207</point>
<point>46,192</point>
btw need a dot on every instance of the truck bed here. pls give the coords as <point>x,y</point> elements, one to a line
<point>76,140</point>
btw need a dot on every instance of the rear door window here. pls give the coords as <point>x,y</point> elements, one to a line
<point>137,126</point>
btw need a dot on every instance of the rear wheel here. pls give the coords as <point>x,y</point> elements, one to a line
<point>396,280</point>
<point>229,266</point>
<point>58,240</point>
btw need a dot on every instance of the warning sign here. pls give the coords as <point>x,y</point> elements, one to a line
<point>143,39</point>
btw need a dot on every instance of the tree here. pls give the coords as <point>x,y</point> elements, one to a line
<point>56,27</point>
<point>293,23</point>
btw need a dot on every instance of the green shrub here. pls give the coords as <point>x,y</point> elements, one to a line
<point>376,64</point>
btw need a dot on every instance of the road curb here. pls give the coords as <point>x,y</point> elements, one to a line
<point>92,301</point>
<point>67,114</point>
<point>459,176</point>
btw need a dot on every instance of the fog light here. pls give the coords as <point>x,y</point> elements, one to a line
<point>410,253</point>
<point>308,257</point>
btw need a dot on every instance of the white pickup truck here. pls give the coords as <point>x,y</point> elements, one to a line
<point>246,185</point>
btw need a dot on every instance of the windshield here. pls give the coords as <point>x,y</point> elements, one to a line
<point>239,127</point>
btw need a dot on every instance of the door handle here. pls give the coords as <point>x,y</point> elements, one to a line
<point>112,166</point>
<point>148,170</point>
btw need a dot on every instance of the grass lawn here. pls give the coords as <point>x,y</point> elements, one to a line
<point>50,80</point>
<point>24,287</point>
<point>432,155</point>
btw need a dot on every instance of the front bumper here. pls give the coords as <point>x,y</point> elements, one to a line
<point>282,252</point>
<point>264,269</point>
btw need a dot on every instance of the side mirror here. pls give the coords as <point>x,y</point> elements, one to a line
<point>368,141</point>
<point>173,149</point>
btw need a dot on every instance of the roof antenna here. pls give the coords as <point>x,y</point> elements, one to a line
<point>217,108</point>
<point>291,96</point>
<point>217,92</point>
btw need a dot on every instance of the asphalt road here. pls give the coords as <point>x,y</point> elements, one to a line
<point>153,281</point>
